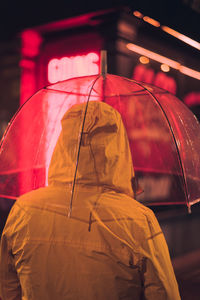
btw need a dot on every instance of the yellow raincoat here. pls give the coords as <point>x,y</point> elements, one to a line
<point>111,248</point>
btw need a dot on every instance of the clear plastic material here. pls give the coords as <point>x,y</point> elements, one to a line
<point>163,133</point>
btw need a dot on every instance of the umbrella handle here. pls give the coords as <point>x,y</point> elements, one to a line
<point>103,64</point>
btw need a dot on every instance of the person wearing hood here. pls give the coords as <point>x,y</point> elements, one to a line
<point>85,236</point>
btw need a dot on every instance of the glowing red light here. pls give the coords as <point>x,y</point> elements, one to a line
<point>191,99</point>
<point>141,73</point>
<point>74,66</point>
<point>31,41</point>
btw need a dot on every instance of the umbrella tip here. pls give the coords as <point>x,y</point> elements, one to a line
<point>103,66</point>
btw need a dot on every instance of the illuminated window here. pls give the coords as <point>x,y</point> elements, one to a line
<point>74,66</point>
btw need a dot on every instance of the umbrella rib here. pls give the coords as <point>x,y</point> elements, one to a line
<point>79,148</point>
<point>69,93</point>
<point>8,197</point>
<point>173,135</point>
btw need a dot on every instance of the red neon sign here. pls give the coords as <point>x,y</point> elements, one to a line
<point>74,66</point>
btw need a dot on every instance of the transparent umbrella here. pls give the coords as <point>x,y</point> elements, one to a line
<point>164,137</point>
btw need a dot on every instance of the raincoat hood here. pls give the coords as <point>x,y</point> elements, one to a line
<point>104,159</point>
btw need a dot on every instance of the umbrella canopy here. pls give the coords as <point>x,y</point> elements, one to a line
<point>164,137</point>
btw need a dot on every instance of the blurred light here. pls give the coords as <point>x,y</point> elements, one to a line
<point>181,37</point>
<point>138,14</point>
<point>74,66</point>
<point>31,41</point>
<point>169,30</point>
<point>190,72</point>
<point>165,68</point>
<point>141,73</point>
<point>144,60</point>
<point>157,57</point>
<point>192,99</point>
<point>164,60</point>
<point>27,63</point>
<point>151,21</point>
<point>166,82</point>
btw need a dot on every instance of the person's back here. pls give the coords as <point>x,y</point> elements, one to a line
<point>111,247</point>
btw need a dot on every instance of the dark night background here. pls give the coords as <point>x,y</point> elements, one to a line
<point>181,15</point>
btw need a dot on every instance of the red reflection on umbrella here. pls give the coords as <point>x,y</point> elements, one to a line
<point>163,133</point>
